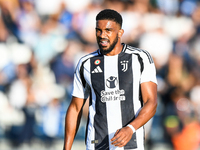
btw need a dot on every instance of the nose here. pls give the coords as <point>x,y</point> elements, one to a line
<point>102,34</point>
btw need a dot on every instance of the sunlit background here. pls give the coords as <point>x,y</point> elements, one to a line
<point>41,42</point>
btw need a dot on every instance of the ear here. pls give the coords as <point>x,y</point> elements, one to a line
<point>120,33</point>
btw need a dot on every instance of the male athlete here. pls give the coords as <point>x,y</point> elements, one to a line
<point>120,82</point>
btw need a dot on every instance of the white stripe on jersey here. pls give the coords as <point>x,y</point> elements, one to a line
<point>113,107</point>
<point>91,131</point>
<point>137,103</point>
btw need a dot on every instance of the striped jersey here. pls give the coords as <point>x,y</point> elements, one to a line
<point>112,84</point>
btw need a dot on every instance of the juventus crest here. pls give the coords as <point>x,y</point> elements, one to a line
<point>124,64</point>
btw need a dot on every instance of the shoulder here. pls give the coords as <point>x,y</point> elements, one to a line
<point>88,56</point>
<point>144,54</point>
<point>131,49</point>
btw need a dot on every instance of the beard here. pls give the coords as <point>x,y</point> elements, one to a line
<point>110,48</point>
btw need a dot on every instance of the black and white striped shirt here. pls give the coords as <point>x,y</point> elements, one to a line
<point>113,84</point>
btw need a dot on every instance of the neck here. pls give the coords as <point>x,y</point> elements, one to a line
<point>117,49</point>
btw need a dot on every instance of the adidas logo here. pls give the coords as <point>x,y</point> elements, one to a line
<point>97,70</point>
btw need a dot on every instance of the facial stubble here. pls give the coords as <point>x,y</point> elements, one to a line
<point>109,49</point>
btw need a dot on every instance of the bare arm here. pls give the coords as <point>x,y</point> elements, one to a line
<point>149,95</point>
<point>72,121</point>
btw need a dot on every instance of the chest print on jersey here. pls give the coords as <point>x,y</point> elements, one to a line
<point>113,95</point>
<point>124,64</point>
<point>111,82</point>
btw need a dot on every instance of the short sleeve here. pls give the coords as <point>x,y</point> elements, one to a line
<point>149,70</point>
<point>80,88</point>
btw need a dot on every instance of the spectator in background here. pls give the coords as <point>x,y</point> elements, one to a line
<point>4,32</point>
<point>7,68</point>
<point>50,41</point>
<point>21,95</point>
<point>63,65</point>
<point>181,122</point>
<point>174,23</point>
<point>9,11</point>
<point>28,22</point>
<point>52,116</point>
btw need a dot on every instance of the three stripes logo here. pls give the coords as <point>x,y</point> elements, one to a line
<point>97,70</point>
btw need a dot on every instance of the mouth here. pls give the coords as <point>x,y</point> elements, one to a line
<point>103,42</point>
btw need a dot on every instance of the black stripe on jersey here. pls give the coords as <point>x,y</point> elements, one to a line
<point>82,74</point>
<point>140,97</point>
<point>141,69</point>
<point>86,131</point>
<point>99,52</point>
<point>100,119</point>
<point>141,63</point>
<point>126,83</point>
<point>124,47</point>
<point>146,52</point>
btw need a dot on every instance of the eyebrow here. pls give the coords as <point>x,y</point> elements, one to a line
<point>104,29</point>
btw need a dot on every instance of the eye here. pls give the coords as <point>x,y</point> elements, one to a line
<point>108,30</point>
<point>98,31</point>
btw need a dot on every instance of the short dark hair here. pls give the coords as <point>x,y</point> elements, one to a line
<point>109,14</point>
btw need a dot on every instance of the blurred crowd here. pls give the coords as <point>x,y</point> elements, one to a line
<point>42,40</point>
